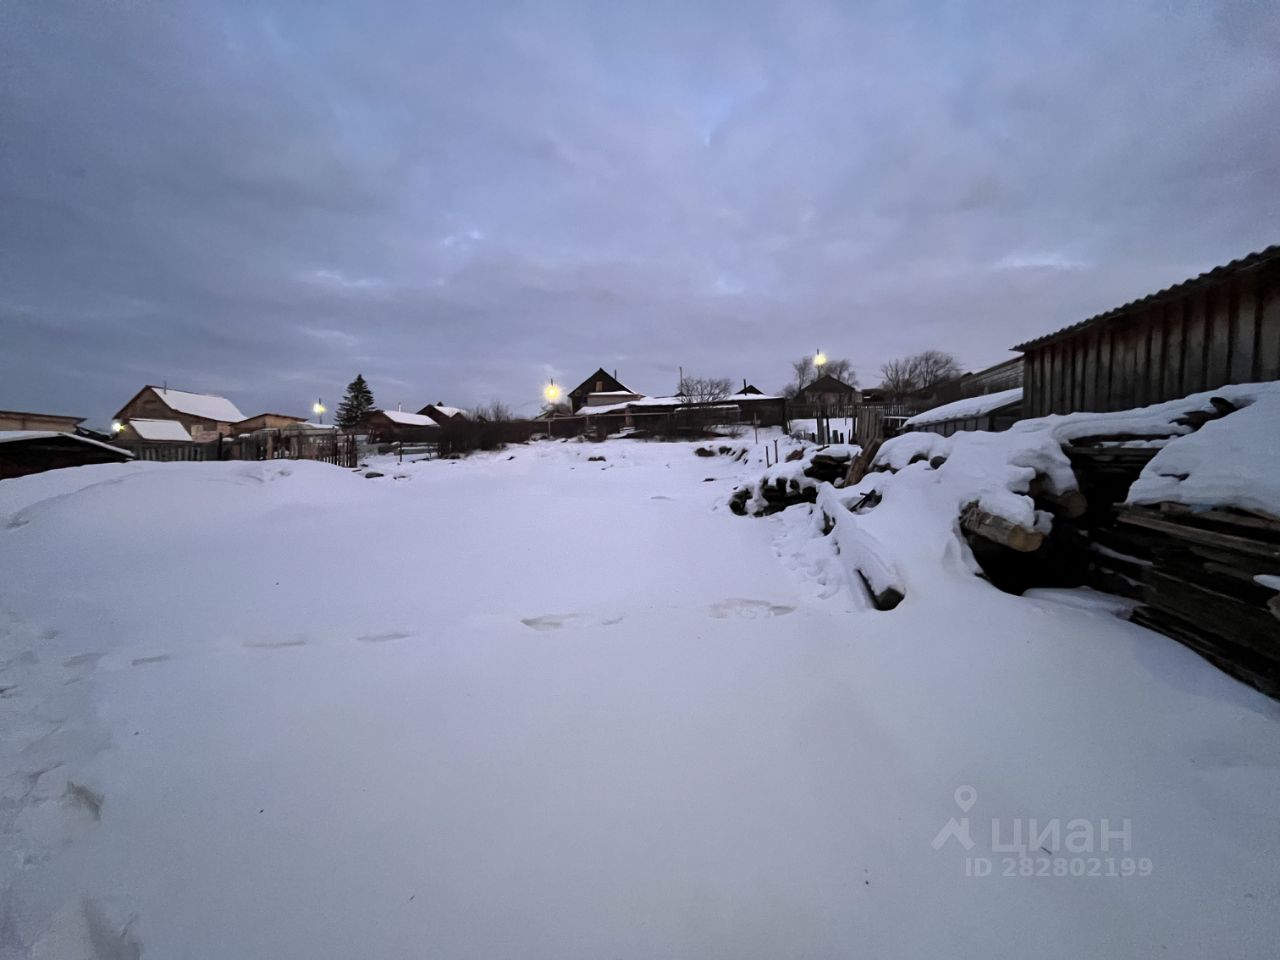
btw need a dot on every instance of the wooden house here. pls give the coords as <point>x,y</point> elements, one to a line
<point>608,386</point>
<point>266,421</point>
<point>398,426</point>
<point>827,396</point>
<point>203,416</point>
<point>441,413</point>
<point>1220,327</point>
<point>24,420</point>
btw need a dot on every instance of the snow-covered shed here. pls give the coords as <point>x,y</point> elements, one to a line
<point>24,452</point>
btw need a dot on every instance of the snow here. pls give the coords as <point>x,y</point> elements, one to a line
<point>159,429</point>
<point>1231,462</point>
<point>966,408</point>
<point>530,705</point>
<point>410,419</point>
<point>450,411</point>
<point>200,405</point>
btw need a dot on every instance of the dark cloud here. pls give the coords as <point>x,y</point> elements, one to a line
<point>459,200</point>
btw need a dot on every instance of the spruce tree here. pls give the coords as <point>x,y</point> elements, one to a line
<point>357,402</point>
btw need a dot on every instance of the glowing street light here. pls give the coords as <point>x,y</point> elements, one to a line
<point>819,358</point>
<point>318,409</point>
<point>117,426</point>
<point>551,392</point>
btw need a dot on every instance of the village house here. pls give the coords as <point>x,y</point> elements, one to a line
<point>1220,327</point>
<point>828,395</point>
<point>202,417</point>
<point>442,414</point>
<point>601,389</point>
<point>266,421</point>
<point>399,426</point>
<point>24,420</point>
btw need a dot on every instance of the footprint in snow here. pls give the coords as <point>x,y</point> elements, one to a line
<point>272,644</point>
<point>747,609</point>
<point>661,497</point>
<point>383,637</point>
<point>141,661</point>
<point>557,621</point>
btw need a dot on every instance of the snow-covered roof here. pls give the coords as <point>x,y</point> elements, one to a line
<point>11,436</point>
<point>611,393</point>
<point>966,408</point>
<point>409,419</point>
<point>170,430</point>
<point>200,405</point>
<point>449,411</point>
<point>737,397</point>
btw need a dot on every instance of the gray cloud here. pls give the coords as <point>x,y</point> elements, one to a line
<point>459,200</point>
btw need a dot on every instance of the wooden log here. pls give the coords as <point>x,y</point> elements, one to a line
<point>1070,505</point>
<point>862,463</point>
<point>1214,613</point>
<point>999,530</point>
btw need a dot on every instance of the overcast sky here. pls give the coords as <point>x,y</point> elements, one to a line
<point>459,200</point>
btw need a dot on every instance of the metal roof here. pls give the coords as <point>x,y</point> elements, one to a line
<point>1249,262</point>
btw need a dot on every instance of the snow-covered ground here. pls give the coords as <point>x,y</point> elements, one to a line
<point>532,705</point>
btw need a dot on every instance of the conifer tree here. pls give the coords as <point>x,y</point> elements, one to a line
<point>357,402</point>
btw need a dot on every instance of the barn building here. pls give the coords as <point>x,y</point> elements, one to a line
<point>1218,328</point>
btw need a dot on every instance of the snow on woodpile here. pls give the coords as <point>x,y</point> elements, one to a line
<point>897,525</point>
<point>1231,462</point>
<point>795,479</point>
<point>967,407</point>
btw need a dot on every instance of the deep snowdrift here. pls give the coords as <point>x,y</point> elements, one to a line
<point>551,707</point>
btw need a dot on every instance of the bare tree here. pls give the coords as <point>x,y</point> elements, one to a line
<point>705,389</point>
<point>802,373</point>
<point>934,367</point>
<point>496,412</point>
<point>908,375</point>
<point>842,370</point>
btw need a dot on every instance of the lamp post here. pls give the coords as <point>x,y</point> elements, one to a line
<point>820,361</point>
<point>318,409</point>
<point>551,393</point>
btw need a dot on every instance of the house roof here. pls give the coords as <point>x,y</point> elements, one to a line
<point>968,407</point>
<point>170,430</point>
<point>828,384</point>
<point>586,386</point>
<point>33,413</point>
<point>283,416</point>
<point>1250,262</point>
<point>443,410</point>
<point>204,405</point>
<point>17,436</point>
<point>409,419</point>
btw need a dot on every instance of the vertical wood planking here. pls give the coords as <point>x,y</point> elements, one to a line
<point>1193,346</point>
<point>1245,331</point>
<point>1267,362</point>
<point>1219,308</point>
<point>1155,360</point>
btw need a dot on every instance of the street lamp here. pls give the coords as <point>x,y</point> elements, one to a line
<point>819,358</point>
<point>318,409</point>
<point>117,427</point>
<point>551,391</point>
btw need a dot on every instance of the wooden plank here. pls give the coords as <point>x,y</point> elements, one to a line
<point>1104,369</point>
<point>1194,345</point>
<point>1214,613</point>
<point>1089,372</point>
<point>1219,314</point>
<point>1244,329</point>
<point>1175,348</point>
<point>1210,538</point>
<point>1155,355</point>
<point>1267,359</point>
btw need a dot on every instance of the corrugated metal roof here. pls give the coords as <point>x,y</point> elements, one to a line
<point>1249,262</point>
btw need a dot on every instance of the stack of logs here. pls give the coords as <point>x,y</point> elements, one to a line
<point>827,465</point>
<point>1199,584</point>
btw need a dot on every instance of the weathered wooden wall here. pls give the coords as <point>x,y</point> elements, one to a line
<point>1222,331</point>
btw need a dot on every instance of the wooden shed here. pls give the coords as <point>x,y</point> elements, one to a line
<point>1220,327</point>
<point>24,452</point>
